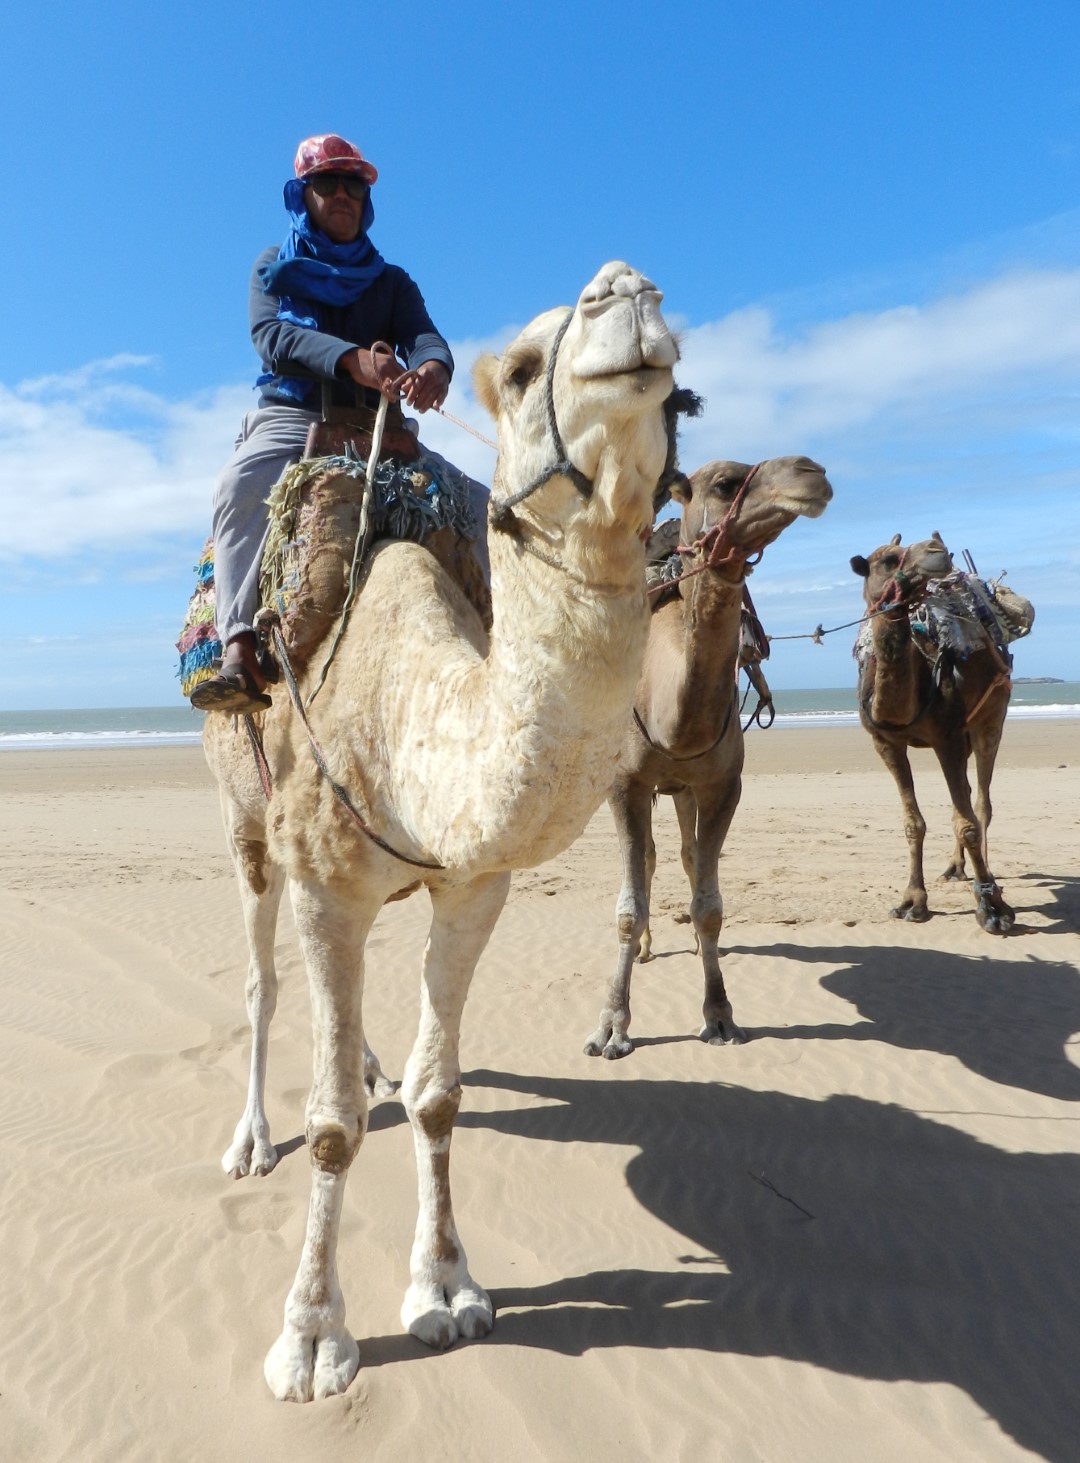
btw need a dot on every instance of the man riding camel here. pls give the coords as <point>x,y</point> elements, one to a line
<point>322,300</point>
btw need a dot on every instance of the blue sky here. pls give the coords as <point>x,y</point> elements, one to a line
<point>865,218</point>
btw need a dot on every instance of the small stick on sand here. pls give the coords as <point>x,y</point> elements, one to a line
<point>768,1184</point>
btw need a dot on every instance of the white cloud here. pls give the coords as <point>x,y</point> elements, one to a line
<point>87,460</point>
<point>995,357</point>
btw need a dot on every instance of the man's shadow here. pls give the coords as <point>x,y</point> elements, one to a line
<point>929,1256</point>
<point>1008,1020</point>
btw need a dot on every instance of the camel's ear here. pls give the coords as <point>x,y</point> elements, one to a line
<point>680,488</point>
<point>483,380</point>
<point>894,541</point>
<point>937,538</point>
<point>861,567</point>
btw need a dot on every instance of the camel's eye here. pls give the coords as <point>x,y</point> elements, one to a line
<point>523,371</point>
<point>891,562</point>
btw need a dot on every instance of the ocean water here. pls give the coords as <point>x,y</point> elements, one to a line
<point>173,726</point>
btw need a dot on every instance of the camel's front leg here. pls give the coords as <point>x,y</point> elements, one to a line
<point>443,1301</point>
<point>631,808</point>
<point>644,954</point>
<point>315,1356</point>
<point>716,808</point>
<point>991,911</point>
<point>686,812</point>
<point>913,905</point>
<point>260,882</point>
<point>985,741</point>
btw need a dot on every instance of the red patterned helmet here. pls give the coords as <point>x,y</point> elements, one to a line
<point>331,154</point>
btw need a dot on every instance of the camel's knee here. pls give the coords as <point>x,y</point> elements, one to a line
<point>631,917</point>
<point>631,927</point>
<point>260,992</point>
<point>968,834</point>
<point>707,914</point>
<point>915,830</point>
<point>434,1111</point>
<point>251,860</point>
<point>333,1145</point>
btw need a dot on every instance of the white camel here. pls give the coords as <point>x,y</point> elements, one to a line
<point>470,756</point>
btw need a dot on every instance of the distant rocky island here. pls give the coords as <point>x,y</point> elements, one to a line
<point>1037,681</point>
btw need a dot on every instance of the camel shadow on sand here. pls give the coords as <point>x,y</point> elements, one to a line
<point>891,1246</point>
<point>1063,906</point>
<point>930,1256</point>
<point>1008,1020</point>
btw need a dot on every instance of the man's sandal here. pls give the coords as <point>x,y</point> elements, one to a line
<point>231,690</point>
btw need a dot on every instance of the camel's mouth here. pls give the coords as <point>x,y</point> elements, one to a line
<point>644,375</point>
<point>812,506</point>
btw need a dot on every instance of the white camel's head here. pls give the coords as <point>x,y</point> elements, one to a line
<point>598,409</point>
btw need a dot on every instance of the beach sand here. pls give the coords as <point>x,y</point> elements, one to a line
<point>855,1238</point>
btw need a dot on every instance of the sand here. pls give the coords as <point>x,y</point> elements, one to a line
<point>855,1238</point>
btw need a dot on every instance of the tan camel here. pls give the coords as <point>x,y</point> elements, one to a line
<point>907,699</point>
<point>468,756</point>
<point>685,738</point>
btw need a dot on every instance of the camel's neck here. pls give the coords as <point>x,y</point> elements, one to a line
<point>896,672</point>
<point>499,760</point>
<point>689,684</point>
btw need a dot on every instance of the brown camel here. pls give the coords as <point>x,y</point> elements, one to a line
<point>685,738</point>
<point>912,694</point>
<point>463,755</point>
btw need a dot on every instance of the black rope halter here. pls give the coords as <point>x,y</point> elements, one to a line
<point>501,515</point>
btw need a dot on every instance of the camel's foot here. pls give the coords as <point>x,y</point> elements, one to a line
<point>644,954</point>
<point>618,1046</point>
<point>914,910</point>
<point>249,1154</point>
<point>376,1083</point>
<point>955,871</point>
<point>605,1042</point>
<point>991,911</point>
<point>301,1365</point>
<point>438,1316</point>
<point>722,1031</point>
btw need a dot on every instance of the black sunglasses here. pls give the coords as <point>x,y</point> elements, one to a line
<point>326,184</point>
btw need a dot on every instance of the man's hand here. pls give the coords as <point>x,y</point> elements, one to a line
<point>377,373</point>
<point>427,386</point>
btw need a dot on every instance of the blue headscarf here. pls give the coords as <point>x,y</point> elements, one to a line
<point>311,270</point>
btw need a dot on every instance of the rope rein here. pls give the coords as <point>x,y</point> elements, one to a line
<point>360,547</point>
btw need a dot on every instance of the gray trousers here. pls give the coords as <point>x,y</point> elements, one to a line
<point>271,439</point>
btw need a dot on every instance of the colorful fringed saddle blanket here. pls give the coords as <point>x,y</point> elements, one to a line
<point>957,616</point>
<point>311,556</point>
